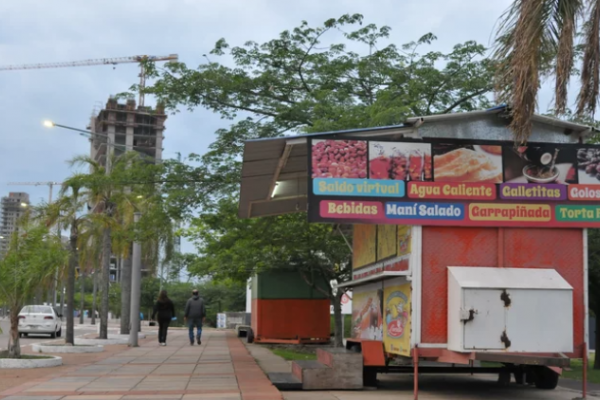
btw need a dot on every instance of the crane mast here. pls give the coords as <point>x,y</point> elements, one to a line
<point>142,59</point>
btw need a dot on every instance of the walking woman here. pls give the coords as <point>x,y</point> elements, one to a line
<point>166,311</point>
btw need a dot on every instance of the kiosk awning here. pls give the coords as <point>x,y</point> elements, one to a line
<point>275,171</point>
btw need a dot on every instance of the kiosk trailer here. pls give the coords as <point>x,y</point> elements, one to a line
<point>466,247</point>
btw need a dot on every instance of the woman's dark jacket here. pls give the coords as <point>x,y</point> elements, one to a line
<point>164,309</point>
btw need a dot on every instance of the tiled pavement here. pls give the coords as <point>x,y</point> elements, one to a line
<point>221,369</point>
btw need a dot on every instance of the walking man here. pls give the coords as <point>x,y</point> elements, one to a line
<point>195,313</point>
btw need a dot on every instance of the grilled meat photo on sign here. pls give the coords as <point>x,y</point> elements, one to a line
<point>466,165</point>
<point>339,159</point>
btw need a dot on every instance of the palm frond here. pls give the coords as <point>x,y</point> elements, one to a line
<point>566,29</point>
<point>590,71</point>
<point>532,35</point>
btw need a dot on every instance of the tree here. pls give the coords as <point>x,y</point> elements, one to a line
<point>33,256</point>
<point>155,230</point>
<point>68,211</point>
<point>537,39</point>
<point>303,82</point>
<point>107,200</point>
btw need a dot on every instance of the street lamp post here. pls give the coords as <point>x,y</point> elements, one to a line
<point>136,278</point>
<point>109,142</point>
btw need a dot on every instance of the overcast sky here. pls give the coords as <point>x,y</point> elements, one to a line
<point>42,31</point>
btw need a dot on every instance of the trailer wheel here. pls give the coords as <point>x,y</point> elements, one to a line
<point>369,377</point>
<point>545,378</point>
<point>530,375</point>
<point>250,336</point>
<point>504,377</point>
<point>519,374</point>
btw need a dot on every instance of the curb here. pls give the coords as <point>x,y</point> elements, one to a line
<point>54,361</point>
<point>140,336</point>
<point>41,348</point>
<point>101,342</point>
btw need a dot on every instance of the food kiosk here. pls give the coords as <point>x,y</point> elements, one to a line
<point>466,248</point>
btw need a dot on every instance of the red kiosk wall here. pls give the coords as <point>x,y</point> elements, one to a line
<point>286,308</point>
<point>560,249</point>
<point>290,319</point>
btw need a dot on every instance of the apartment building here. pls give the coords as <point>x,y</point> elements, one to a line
<point>12,208</point>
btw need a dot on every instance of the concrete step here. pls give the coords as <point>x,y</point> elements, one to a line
<point>313,375</point>
<point>334,369</point>
<point>334,357</point>
<point>285,381</point>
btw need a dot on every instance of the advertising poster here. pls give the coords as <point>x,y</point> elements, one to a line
<point>404,239</point>
<point>397,319</point>
<point>367,321</point>
<point>387,241</point>
<point>364,245</point>
<point>450,182</point>
<point>392,244</point>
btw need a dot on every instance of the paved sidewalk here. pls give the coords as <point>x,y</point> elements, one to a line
<point>221,369</point>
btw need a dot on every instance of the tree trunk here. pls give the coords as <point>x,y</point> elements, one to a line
<point>95,290</point>
<point>82,294</point>
<point>597,359</point>
<point>125,292</point>
<point>337,319</point>
<point>105,283</point>
<point>14,347</point>
<point>62,301</point>
<point>70,334</point>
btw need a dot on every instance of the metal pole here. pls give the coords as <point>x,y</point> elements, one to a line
<point>585,367</point>
<point>62,303</point>
<point>136,279</point>
<point>55,285</point>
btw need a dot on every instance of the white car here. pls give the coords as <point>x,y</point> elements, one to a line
<point>39,320</point>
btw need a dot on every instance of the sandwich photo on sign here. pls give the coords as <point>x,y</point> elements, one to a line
<point>467,163</point>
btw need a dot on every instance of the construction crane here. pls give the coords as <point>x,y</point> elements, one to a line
<point>50,185</point>
<point>142,60</point>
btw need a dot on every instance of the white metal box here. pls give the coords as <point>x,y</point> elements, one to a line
<point>509,310</point>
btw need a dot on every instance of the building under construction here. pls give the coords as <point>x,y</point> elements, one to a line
<point>129,128</point>
<point>126,127</point>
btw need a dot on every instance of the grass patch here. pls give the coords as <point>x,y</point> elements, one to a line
<point>28,357</point>
<point>291,355</point>
<point>347,325</point>
<point>576,370</point>
<point>489,364</point>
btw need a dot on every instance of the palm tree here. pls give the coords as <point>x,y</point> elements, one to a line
<point>537,39</point>
<point>32,259</point>
<point>68,211</point>
<point>154,230</point>
<point>111,199</point>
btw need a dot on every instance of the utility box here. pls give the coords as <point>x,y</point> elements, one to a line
<point>509,309</point>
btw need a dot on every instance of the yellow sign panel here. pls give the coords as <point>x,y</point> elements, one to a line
<point>364,250</point>
<point>397,321</point>
<point>386,241</point>
<point>404,236</point>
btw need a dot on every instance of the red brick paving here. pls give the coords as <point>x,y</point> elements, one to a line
<point>250,381</point>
